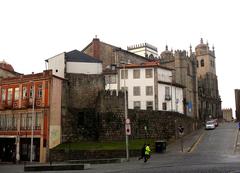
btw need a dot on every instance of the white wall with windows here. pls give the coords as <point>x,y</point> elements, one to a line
<point>140,87</point>
<point>171,99</point>
<point>140,83</point>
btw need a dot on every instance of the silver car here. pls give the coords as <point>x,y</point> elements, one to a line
<point>210,125</point>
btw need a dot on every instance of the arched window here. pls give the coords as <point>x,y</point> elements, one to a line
<point>197,63</point>
<point>202,63</point>
<point>151,57</point>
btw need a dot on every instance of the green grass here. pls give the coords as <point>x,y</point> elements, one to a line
<point>109,145</point>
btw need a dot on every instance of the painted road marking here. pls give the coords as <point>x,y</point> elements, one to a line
<point>196,143</point>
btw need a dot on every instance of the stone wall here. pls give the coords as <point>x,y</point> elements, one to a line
<point>159,125</point>
<point>79,118</point>
<point>104,118</point>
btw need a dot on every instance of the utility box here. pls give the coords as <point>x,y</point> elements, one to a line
<point>161,146</point>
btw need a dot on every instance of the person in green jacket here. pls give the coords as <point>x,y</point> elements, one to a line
<point>147,153</point>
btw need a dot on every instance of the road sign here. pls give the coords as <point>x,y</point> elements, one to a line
<point>128,129</point>
<point>180,130</point>
<point>127,121</point>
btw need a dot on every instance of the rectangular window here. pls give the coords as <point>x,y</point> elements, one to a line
<point>31,92</point>
<point>148,73</point>
<point>110,79</point>
<point>136,91</point>
<point>29,121</point>
<point>167,93</point>
<point>202,63</point>
<point>136,74</point>
<point>149,90</point>
<point>2,122</point>
<point>124,74</point>
<point>149,105</point>
<point>24,92</point>
<point>16,94</point>
<point>14,122</point>
<point>23,121</point>
<point>9,121</point>
<point>164,106</point>
<point>137,105</point>
<point>3,94</point>
<point>39,91</point>
<point>10,91</point>
<point>37,120</point>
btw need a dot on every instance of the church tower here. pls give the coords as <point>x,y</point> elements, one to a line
<point>205,59</point>
<point>209,99</point>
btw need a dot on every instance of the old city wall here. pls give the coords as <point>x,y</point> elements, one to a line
<point>79,118</point>
<point>158,124</point>
<point>106,123</point>
<point>90,113</point>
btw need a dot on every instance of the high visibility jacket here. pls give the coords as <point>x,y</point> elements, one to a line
<point>147,150</point>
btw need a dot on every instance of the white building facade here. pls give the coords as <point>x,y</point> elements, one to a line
<point>74,62</point>
<point>149,86</point>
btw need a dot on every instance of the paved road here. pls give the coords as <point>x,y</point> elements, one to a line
<point>213,151</point>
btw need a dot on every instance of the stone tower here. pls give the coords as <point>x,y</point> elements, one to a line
<point>209,100</point>
<point>184,73</point>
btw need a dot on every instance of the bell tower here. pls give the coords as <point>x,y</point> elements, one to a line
<point>205,59</point>
<point>208,94</point>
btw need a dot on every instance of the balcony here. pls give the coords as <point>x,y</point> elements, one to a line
<point>168,97</point>
<point>15,105</point>
<point>2,106</point>
<point>25,103</point>
<point>38,102</point>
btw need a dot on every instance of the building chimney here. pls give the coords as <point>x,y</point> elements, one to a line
<point>96,48</point>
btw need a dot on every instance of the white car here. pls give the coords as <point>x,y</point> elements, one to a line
<point>210,125</point>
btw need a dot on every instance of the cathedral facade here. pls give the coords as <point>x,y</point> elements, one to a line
<point>197,72</point>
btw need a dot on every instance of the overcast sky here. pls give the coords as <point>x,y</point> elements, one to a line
<point>34,30</point>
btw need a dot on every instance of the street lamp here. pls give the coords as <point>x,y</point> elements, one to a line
<point>33,100</point>
<point>125,107</point>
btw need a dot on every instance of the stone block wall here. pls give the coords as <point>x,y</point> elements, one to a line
<point>158,125</point>
<point>80,95</point>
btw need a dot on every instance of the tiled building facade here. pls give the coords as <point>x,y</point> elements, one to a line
<point>27,102</point>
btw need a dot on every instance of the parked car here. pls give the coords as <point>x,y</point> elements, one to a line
<point>210,125</point>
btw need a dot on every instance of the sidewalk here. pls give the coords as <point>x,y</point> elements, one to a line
<point>189,142</point>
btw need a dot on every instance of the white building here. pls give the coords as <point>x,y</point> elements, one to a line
<point>145,50</point>
<point>74,62</point>
<point>149,86</point>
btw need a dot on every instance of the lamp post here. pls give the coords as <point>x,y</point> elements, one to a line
<point>125,108</point>
<point>33,100</point>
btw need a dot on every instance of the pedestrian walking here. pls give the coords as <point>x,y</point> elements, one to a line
<point>142,152</point>
<point>147,153</point>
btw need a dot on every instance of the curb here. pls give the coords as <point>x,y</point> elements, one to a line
<point>57,167</point>
<point>191,148</point>
<point>98,161</point>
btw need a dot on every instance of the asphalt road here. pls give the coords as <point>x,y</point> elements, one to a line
<point>215,151</point>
